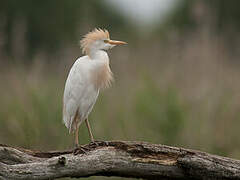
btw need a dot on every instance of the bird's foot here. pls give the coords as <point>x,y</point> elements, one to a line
<point>98,143</point>
<point>79,150</point>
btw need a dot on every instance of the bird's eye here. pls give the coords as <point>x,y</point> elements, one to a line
<point>106,41</point>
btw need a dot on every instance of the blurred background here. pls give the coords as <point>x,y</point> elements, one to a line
<point>176,82</point>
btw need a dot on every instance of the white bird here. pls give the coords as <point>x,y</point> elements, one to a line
<point>88,75</point>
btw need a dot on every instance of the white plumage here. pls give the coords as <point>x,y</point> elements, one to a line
<point>87,76</point>
<point>80,93</point>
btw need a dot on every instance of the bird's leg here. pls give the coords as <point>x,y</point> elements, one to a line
<point>93,142</point>
<point>89,130</point>
<point>78,149</point>
<point>76,138</point>
<point>74,123</point>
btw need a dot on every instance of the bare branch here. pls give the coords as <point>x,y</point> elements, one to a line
<point>117,158</point>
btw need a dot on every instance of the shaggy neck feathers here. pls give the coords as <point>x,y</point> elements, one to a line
<point>102,75</point>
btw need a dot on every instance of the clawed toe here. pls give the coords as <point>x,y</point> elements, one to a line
<point>79,150</point>
<point>83,149</point>
<point>98,143</point>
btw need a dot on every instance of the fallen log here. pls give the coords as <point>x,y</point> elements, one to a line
<point>116,158</point>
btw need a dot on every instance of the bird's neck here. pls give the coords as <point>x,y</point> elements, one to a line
<point>102,75</point>
<point>99,55</point>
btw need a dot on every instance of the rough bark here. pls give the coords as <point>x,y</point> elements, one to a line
<point>116,158</point>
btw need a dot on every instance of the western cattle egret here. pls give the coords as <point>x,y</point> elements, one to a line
<point>88,75</point>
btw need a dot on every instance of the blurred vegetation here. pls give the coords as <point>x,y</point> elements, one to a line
<point>159,114</point>
<point>49,25</point>
<point>177,86</point>
<point>219,16</point>
<point>223,14</point>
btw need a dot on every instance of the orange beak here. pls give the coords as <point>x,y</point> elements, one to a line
<point>116,42</point>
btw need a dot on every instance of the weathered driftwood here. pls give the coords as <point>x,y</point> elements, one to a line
<point>118,158</point>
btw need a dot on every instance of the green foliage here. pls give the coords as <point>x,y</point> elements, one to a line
<point>222,15</point>
<point>49,25</point>
<point>226,13</point>
<point>34,121</point>
<point>181,17</point>
<point>160,112</point>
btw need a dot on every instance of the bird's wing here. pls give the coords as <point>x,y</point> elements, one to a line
<point>74,89</point>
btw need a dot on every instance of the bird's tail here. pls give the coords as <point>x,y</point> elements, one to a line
<point>71,122</point>
<point>67,119</point>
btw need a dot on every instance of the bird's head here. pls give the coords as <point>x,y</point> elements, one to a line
<point>98,39</point>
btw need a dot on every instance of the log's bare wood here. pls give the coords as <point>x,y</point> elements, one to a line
<point>116,158</point>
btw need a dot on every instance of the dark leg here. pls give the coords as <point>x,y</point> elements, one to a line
<point>76,138</point>
<point>78,149</point>
<point>89,130</point>
<point>93,142</point>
